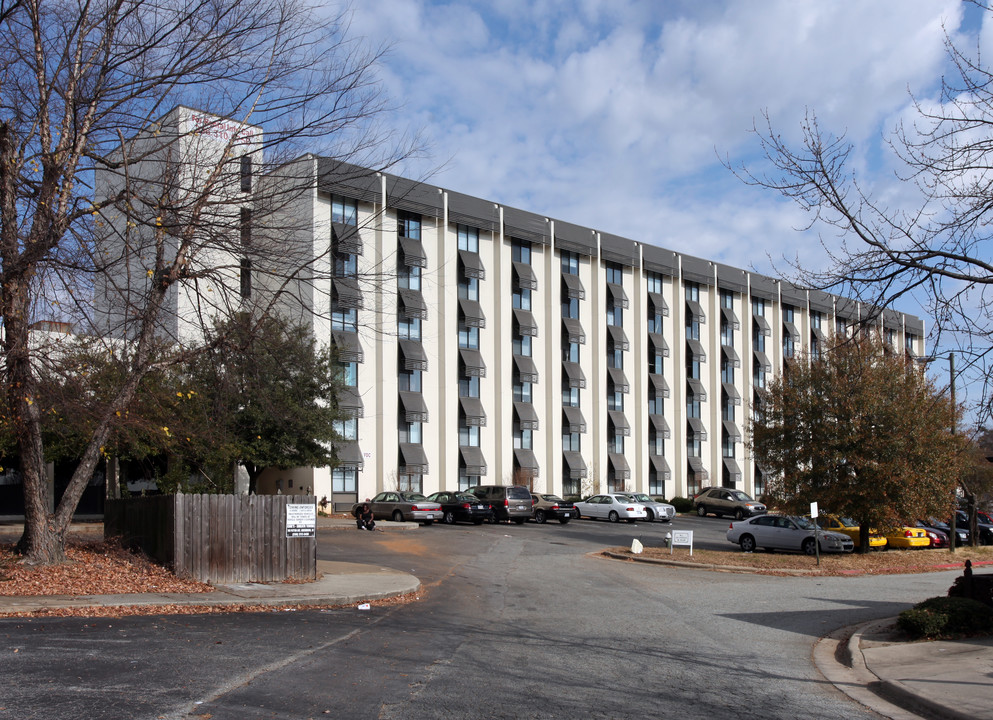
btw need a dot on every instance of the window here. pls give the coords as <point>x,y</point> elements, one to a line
<point>570,307</point>
<point>694,447</point>
<point>758,307</point>
<point>727,299</point>
<point>789,345</point>
<point>469,288</point>
<point>468,435</point>
<point>614,273</point>
<point>653,282</point>
<point>727,371</point>
<point>408,225</point>
<point>570,351</point>
<point>522,392</point>
<point>789,313</point>
<point>615,398</point>
<point>758,375</point>
<point>407,328</point>
<point>347,429</point>
<point>815,319</point>
<point>349,373</point>
<point>344,480</point>
<point>654,362</point>
<point>522,345</point>
<point>467,481</point>
<point>245,227</point>
<point>410,483</point>
<point>410,432</point>
<point>615,356</point>
<point>692,405</point>
<point>570,395</point>
<point>246,278</point>
<point>840,326</point>
<point>408,278</point>
<point>344,211</point>
<point>654,320</point>
<point>345,265</point>
<point>345,319</point>
<point>522,298</point>
<point>615,315</point>
<point>656,486</point>
<point>521,251</point>
<point>727,411</point>
<point>727,445</point>
<point>727,334</point>
<point>692,292</point>
<point>469,386</point>
<point>523,439</point>
<point>615,443</point>
<point>655,400</point>
<point>469,337</point>
<point>571,442</point>
<point>410,380</point>
<point>570,263</point>
<point>468,238</point>
<point>246,173</point>
<point>758,338</point>
<point>656,442</point>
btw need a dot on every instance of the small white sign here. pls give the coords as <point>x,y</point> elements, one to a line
<point>682,537</point>
<point>813,510</point>
<point>301,520</point>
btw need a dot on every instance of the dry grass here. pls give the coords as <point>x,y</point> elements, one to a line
<point>890,562</point>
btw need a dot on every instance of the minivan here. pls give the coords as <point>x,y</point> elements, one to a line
<point>509,502</point>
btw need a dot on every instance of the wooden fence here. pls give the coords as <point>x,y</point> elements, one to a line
<point>216,538</point>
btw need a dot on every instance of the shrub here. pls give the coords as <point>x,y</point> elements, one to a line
<point>682,504</point>
<point>946,617</point>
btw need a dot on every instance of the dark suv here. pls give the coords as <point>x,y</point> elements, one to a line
<point>509,502</point>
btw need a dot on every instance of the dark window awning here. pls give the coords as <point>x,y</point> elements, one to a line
<point>619,379</point>
<point>525,460</point>
<point>661,425</point>
<point>733,471</point>
<point>526,324</point>
<point>527,416</point>
<point>660,466</point>
<point>346,239</point>
<point>346,292</point>
<point>620,465</point>
<point>412,304</point>
<point>414,357</point>
<point>660,385</point>
<point>695,311</point>
<point>472,313</point>
<point>574,374</point>
<point>762,360</point>
<point>762,325</point>
<point>348,346</point>
<point>732,392</point>
<point>527,371</point>
<point>350,402</point>
<point>696,467</point>
<point>659,303</point>
<point>413,460</point>
<point>472,264</point>
<point>696,427</point>
<point>525,277</point>
<point>659,346</point>
<point>574,330</point>
<point>731,318</point>
<point>472,461</point>
<point>819,334</point>
<point>761,396</point>
<point>792,330</point>
<point>349,455</point>
<point>472,362</point>
<point>574,464</point>
<point>696,351</point>
<point>618,337</point>
<point>696,388</point>
<point>413,252</point>
<point>617,296</point>
<point>574,286</point>
<point>413,406</point>
<point>472,410</point>
<point>619,422</point>
<point>526,226</point>
<point>731,354</point>
<point>574,420</point>
<point>732,431</point>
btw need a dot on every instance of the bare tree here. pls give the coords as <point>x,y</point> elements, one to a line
<point>938,245</point>
<point>126,128</point>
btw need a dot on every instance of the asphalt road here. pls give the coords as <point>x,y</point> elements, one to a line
<point>513,622</point>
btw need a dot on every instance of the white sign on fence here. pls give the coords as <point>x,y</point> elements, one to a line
<point>301,520</point>
<point>681,537</point>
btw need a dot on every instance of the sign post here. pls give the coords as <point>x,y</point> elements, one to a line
<point>817,532</point>
<point>682,537</point>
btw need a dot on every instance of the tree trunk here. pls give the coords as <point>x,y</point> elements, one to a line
<point>864,546</point>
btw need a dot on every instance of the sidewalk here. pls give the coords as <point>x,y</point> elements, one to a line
<point>339,583</point>
<point>946,680</point>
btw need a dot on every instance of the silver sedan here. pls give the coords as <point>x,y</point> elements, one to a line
<point>613,507</point>
<point>663,512</point>
<point>782,532</point>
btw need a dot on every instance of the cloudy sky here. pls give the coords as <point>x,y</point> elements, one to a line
<point>614,114</point>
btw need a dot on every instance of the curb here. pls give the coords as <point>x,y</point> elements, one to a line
<point>705,566</point>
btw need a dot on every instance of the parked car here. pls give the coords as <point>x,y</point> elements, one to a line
<point>784,532</point>
<point>401,506</point>
<point>613,507</point>
<point>961,533</point>
<point>727,501</point>
<point>984,530</point>
<point>552,507</point>
<point>938,538</point>
<point>457,506</point>
<point>509,502</point>
<point>663,512</point>
<point>907,537</point>
<point>849,527</point>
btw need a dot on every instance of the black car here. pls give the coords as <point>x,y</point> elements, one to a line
<point>961,533</point>
<point>457,506</point>
<point>984,530</point>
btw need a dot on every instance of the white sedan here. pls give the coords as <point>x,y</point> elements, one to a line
<point>613,506</point>
<point>782,532</point>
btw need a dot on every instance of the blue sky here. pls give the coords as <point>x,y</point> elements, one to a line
<point>614,114</point>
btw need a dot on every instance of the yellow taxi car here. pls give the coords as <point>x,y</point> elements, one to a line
<point>908,537</point>
<point>851,528</point>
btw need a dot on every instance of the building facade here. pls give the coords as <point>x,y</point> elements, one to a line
<point>484,344</point>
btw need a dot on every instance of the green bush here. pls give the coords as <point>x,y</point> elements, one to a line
<point>682,504</point>
<point>946,617</point>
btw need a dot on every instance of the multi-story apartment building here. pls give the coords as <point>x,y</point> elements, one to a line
<point>485,344</point>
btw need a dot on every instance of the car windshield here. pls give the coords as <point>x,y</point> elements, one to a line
<point>467,498</point>
<point>740,496</point>
<point>848,522</point>
<point>803,523</point>
<point>642,497</point>
<point>415,497</point>
<point>553,498</point>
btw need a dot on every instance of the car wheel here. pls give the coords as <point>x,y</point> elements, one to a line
<point>563,521</point>
<point>539,516</point>
<point>518,521</point>
<point>701,510</point>
<point>613,517</point>
<point>747,543</point>
<point>650,515</point>
<point>397,516</point>
<point>809,546</point>
<point>739,514</point>
<point>450,518</point>
<point>577,514</point>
